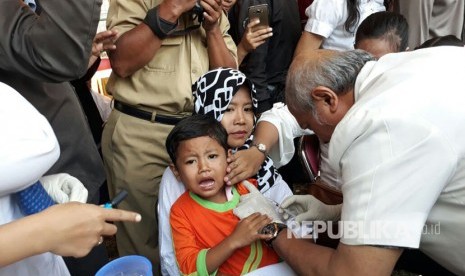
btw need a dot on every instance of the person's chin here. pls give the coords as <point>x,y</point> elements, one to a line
<point>235,143</point>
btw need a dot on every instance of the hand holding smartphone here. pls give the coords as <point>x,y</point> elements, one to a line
<point>261,12</point>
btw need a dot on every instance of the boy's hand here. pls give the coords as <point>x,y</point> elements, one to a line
<point>247,230</point>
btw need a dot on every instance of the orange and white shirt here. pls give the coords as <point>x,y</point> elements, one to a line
<point>198,225</point>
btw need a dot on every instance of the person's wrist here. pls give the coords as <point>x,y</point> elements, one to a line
<point>274,228</point>
<point>278,237</point>
<point>47,241</point>
<point>260,147</point>
<point>161,27</point>
<point>241,49</point>
<point>231,244</point>
<point>213,28</point>
<point>169,12</point>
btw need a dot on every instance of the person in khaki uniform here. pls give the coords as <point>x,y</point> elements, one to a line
<point>159,54</point>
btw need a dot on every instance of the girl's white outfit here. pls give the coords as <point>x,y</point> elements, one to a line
<point>327,17</point>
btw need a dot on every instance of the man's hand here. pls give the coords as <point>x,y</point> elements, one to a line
<point>64,188</point>
<point>243,164</point>
<point>255,202</point>
<point>309,208</point>
<point>212,13</point>
<point>171,10</point>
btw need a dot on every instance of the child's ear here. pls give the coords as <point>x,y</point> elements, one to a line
<point>175,171</point>
<point>229,154</point>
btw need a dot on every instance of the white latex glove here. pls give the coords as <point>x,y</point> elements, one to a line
<point>254,202</point>
<point>63,188</point>
<point>309,208</point>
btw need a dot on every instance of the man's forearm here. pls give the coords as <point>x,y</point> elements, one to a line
<point>305,257</point>
<point>137,47</point>
<point>134,49</point>
<point>218,52</point>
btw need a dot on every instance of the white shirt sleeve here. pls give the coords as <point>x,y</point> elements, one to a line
<point>170,190</point>
<point>28,146</point>
<point>324,16</point>
<point>288,129</point>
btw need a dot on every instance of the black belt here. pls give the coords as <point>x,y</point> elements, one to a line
<point>145,115</point>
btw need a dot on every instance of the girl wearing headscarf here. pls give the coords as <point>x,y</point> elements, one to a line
<point>221,94</point>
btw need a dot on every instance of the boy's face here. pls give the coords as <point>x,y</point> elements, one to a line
<point>201,166</point>
<point>238,119</point>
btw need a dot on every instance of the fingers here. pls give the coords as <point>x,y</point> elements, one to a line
<point>252,24</point>
<point>257,221</point>
<point>108,229</point>
<point>234,177</point>
<point>121,215</point>
<point>212,10</point>
<point>251,187</point>
<point>104,41</point>
<point>288,201</point>
<point>302,217</point>
<point>105,35</point>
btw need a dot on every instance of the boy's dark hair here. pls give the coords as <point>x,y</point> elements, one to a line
<point>193,127</point>
<point>390,26</point>
<point>447,40</point>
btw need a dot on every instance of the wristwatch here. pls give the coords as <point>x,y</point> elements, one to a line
<point>261,147</point>
<point>272,228</point>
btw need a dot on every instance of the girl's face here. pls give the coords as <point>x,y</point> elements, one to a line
<point>378,47</point>
<point>238,120</point>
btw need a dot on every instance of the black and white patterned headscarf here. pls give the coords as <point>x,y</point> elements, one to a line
<point>213,92</point>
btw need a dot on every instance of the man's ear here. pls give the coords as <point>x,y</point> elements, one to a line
<point>175,171</point>
<point>326,96</point>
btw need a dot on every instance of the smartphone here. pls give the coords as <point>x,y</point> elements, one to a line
<point>260,12</point>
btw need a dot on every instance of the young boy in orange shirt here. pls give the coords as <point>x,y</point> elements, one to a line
<point>208,238</point>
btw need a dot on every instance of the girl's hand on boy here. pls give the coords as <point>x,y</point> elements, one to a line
<point>242,165</point>
<point>247,230</point>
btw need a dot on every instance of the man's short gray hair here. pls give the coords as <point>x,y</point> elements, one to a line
<point>337,72</point>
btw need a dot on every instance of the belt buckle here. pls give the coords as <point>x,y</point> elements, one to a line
<point>153,117</point>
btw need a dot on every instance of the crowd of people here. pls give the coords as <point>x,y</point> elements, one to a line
<point>206,107</point>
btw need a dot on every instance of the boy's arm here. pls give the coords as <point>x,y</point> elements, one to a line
<point>191,258</point>
<point>245,233</point>
<point>185,247</point>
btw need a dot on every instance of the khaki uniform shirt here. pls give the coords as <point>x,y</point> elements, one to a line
<point>163,84</point>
